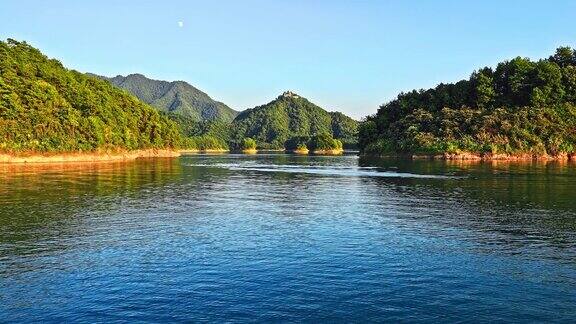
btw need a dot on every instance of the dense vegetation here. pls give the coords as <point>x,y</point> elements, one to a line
<point>520,107</point>
<point>324,142</point>
<point>177,97</point>
<point>290,116</point>
<point>202,135</point>
<point>248,144</point>
<point>297,143</point>
<point>45,107</point>
<point>316,143</point>
<point>269,126</point>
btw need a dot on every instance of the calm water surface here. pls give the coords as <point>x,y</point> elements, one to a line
<point>281,238</point>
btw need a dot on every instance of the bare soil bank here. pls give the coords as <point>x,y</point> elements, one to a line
<point>328,152</point>
<point>299,151</point>
<point>85,156</point>
<point>317,152</point>
<point>486,157</point>
<point>205,151</point>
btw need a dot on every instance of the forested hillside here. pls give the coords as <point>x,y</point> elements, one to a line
<point>519,107</point>
<point>291,116</point>
<point>45,107</point>
<point>176,97</point>
<point>202,135</point>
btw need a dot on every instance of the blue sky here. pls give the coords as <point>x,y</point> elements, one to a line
<point>349,56</point>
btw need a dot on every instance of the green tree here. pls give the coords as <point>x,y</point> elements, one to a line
<point>323,142</point>
<point>484,93</point>
<point>564,56</point>
<point>297,143</point>
<point>248,144</point>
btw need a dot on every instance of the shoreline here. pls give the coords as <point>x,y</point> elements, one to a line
<point>203,151</point>
<point>479,157</point>
<point>315,152</point>
<point>270,150</point>
<point>328,152</point>
<point>298,151</point>
<point>95,156</point>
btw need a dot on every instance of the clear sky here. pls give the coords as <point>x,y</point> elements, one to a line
<point>349,56</point>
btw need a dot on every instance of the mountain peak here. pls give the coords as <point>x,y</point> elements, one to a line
<point>134,75</point>
<point>289,94</point>
<point>174,96</point>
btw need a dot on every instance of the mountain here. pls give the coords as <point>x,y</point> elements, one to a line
<point>290,116</point>
<point>177,97</point>
<point>45,107</point>
<point>521,107</point>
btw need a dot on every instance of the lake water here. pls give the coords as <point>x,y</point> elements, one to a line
<point>283,238</point>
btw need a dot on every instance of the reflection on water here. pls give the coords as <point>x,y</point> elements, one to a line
<point>288,238</point>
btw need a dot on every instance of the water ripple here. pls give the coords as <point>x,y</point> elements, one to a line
<point>287,238</point>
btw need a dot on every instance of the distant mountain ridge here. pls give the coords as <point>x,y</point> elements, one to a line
<point>290,116</point>
<point>177,97</point>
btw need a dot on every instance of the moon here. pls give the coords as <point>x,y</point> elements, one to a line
<point>180,24</point>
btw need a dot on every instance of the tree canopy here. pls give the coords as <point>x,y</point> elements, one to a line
<point>248,144</point>
<point>521,106</point>
<point>176,97</point>
<point>291,116</point>
<point>324,142</point>
<point>45,107</point>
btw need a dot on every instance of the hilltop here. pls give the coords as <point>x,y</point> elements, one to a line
<point>290,116</point>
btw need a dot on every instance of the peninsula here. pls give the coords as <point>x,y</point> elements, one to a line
<point>521,109</point>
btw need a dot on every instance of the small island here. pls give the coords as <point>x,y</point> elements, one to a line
<point>317,144</point>
<point>249,146</point>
